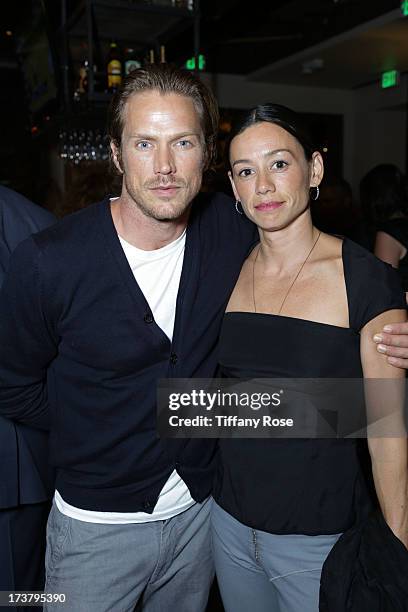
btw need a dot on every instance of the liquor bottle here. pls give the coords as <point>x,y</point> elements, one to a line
<point>83,77</point>
<point>81,85</point>
<point>131,60</point>
<point>114,68</point>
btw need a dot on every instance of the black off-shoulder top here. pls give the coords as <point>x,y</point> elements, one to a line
<point>307,486</point>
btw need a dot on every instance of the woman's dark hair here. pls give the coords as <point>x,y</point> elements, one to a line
<point>383,193</point>
<point>282,116</point>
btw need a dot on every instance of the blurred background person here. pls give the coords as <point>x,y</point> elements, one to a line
<point>384,197</point>
<point>25,476</point>
<point>90,183</point>
<point>334,211</point>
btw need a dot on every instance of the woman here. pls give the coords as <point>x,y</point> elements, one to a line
<point>306,304</point>
<point>383,193</point>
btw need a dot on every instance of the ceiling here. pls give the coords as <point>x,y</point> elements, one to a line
<point>265,41</point>
<point>352,40</point>
<point>237,36</point>
<point>242,37</point>
<point>348,61</point>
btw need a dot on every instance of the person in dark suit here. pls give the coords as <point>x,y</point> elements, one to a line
<point>25,477</point>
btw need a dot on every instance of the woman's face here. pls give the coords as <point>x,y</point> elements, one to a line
<point>271,175</point>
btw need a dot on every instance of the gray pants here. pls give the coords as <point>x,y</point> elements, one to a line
<point>263,572</point>
<point>110,568</point>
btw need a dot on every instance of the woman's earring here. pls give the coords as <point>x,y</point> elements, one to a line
<point>316,193</point>
<point>238,205</point>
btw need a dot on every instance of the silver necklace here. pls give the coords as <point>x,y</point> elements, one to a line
<point>292,283</point>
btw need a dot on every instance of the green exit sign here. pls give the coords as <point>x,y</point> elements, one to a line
<point>190,63</point>
<point>389,79</point>
<point>404,8</point>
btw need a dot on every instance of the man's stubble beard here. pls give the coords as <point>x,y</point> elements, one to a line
<point>170,212</point>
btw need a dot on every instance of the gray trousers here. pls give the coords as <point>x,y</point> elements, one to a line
<point>161,566</point>
<point>263,572</point>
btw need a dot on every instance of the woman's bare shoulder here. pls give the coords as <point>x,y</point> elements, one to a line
<point>330,254</point>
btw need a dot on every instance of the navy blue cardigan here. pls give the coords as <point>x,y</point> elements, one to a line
<point>83,353</point>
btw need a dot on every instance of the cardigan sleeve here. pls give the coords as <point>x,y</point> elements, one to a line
<point>27,344</point>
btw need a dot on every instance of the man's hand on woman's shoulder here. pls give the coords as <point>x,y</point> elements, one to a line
<point>393,342</point>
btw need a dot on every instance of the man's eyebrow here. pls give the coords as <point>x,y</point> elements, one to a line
<point>145,136</point>
<point>267,154</point>
<point>184,134</point>
<point>141,136</point>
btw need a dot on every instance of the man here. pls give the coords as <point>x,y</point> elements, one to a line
<point>95,310</point>
<point>116,297</point>
<point>25,477</point>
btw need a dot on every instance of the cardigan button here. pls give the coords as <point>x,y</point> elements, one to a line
<point>148,318</point>
<point>173,358</point>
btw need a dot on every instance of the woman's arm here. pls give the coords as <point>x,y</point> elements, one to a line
<point>385,406</point>
<point>388,249</point>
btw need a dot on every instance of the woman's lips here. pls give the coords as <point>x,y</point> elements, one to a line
<point>268,205</point>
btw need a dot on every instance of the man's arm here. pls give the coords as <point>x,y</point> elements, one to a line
<point>27,342</point>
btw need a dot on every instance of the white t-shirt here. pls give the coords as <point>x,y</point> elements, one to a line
<point>158,276</point>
